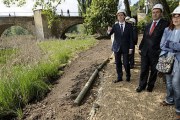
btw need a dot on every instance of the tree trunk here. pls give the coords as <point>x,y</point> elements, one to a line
<point>127,8</point>
<point>165,7</point>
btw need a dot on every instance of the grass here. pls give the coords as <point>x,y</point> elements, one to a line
<point>27,68</point>
<point>4,54</point>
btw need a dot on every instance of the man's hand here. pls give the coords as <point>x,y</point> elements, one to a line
<point>139,52</point>
<point>109,28</point>
<point>130,51</point>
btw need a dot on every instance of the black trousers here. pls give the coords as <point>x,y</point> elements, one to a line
<point>131,58</point>
<point>119,64</point>
<point>146,62</point>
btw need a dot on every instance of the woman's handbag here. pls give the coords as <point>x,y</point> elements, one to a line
<point>165,64</point>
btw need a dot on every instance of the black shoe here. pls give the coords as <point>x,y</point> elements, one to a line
<point>128,79</point>
<point>139,89</point>
<point>149,89</point>
<point>117,80</point>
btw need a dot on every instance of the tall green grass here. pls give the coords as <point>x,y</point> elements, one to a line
<point>5,54</point>
<point>21,83</point>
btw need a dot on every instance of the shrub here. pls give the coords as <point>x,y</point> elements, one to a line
<point>140,26</point>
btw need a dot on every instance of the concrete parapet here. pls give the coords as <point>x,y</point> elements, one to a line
<point>38,25</point>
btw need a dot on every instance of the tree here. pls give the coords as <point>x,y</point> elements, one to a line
<point>48,8</point>
<point>17,30</point>
<point>100,14</point>
<point>127,8</point>
<point>44,3</point>
<point>134,9</point>
<point>83,5</point>
<point>172,5</point>
<point>72,29</point>
<point>81,29</point>
<point>7,32</point>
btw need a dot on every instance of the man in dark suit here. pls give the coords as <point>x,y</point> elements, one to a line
<point>122,45</point>
<point>149,48</point>
<point>135,38</point>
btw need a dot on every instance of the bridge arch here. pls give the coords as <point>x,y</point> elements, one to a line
<point>5,27</point>
<point>66,29</point>
<point>60,28</point>
<point>24,22</point>
<point>37,25</point>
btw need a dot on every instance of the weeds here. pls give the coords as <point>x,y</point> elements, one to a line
<point>27,67</point>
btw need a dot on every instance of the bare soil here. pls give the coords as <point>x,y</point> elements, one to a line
<point>58,104</point>
<point>120,101</point>
<point>117,101</point>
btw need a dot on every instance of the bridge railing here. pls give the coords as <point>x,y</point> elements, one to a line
<point>69,14</point>
<point>16,14</point>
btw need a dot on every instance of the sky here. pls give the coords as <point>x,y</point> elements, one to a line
<point>134,1</point>
<point>26,10</point>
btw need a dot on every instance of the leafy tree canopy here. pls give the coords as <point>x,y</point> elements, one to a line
<point>47,4</point>
<point>48,8</point>
<point>101,13</point>
<point>83,4</point>
<point>15,30</point>
<point>134,9</point>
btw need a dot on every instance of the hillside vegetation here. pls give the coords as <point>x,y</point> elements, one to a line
<point>29,67</point>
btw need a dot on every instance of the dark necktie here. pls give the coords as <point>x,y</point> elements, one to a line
<point>121,29</point>
<point>154,25</point>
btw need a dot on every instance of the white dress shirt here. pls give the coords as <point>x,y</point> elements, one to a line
<point>123,25</point>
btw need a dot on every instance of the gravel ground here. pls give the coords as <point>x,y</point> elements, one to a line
<point>120,101</point>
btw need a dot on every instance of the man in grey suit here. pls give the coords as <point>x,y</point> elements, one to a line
<point>123,44</point>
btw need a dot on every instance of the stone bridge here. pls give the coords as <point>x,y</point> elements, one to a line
<point>25,22</point>
<point>37,25</point>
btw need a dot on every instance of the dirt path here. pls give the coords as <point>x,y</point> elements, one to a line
<point>117,101</point>
<point>120,101</point>
<point>58,103</point>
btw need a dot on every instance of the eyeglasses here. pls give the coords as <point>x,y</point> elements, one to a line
<point>178,17</point>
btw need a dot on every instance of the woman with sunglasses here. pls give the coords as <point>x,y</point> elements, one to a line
<point>170,45</point>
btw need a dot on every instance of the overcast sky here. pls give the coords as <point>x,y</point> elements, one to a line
<point>26,10</point>
<point>72,5</point>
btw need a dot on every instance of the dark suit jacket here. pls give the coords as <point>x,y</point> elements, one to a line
<point>135,35</point>
<point>151,43</point>
<point>122,42</point>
